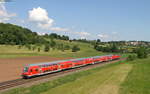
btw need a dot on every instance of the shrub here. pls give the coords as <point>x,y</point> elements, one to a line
<point>33,48</point>
<point>66,47</point>
<point>39,49</point>
<point>142,52</point>
<point>75,48</point>
<point>131,57</point>
<point>46,48</point>
<point>20,46</point>
<point>28,46</point>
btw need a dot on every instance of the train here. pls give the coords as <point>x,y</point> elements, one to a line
<point>33,70</point>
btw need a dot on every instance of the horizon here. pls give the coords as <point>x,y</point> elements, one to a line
<point>110,20</point>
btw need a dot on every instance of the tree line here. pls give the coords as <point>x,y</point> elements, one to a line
<point>17,35</point>
<point>11,34</point>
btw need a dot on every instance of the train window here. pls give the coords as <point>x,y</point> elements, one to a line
<point>26,69</point>
<point>62,65</point>
<point>36,69</point>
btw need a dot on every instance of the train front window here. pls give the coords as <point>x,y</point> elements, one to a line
<point>26,69</point>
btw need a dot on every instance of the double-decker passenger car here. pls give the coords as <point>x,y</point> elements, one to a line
<point>49,67</point>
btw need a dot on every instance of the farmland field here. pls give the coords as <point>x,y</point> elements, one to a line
<point>14,59</point>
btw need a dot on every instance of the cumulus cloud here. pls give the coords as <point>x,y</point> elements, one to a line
<point>83,38</point>
<point>103,36</point>
<point>59,29</point>
<point>40,16</point>
<point>83,33</point>
<point>4,15</point>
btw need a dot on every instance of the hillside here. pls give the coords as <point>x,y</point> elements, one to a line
<point>13,51</point>
<point>16,41</point>
<point>13,34</point>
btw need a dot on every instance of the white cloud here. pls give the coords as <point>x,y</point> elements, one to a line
<point>41,33</point>
<point>83,38</point>
<point>83,33</point>
<point>40,16</point>
<point>59,29</point>
<point>4,15</point>
<point>103,36</point>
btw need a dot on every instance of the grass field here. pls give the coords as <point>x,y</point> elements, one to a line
<point>106,81</point>
<point>118,78</point>
<point>138,80</point>
<point>12,51</point>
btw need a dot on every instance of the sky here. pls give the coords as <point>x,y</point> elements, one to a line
<point>108,20</point>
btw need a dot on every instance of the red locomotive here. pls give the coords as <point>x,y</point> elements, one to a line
<point>49,67</point>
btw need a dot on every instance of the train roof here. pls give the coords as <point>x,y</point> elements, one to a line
<point>47,63</point>
<point>56,62</point>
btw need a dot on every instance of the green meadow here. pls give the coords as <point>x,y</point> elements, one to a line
<point>13,51</point>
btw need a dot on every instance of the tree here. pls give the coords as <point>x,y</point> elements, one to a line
<point>131,57</point>
<point>46,48</point>
<point>114,48</point>
<point>66,47</point>
<point>39,49</point>
<point>33,48</point>
<point>75,48</point>
<point>98,40</point>
<point>52,43</point>
<point>142,52</point>
<point>62,47</point>
<point>19,46</point>
<point>28,46</point>
<point>17,35</point>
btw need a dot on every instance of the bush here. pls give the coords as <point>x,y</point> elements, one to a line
<point>66,47</point>
<point>75,48</point>
<point>131,57</point>
<point>46,48</point>
<point>20,46</point>
<point>61,47</point>
<point>39,49</point>
<point>33,48</point>
<point>28,46</point>
<point>142,52</point>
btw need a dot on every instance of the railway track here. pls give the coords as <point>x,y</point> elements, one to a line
<point>13,83</point>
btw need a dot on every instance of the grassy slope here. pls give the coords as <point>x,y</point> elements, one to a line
<point>8,51</point>
<point>138,80</point>
<point>106,81</point>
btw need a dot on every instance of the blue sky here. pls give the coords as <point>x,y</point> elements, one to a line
<point>90,19</point>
